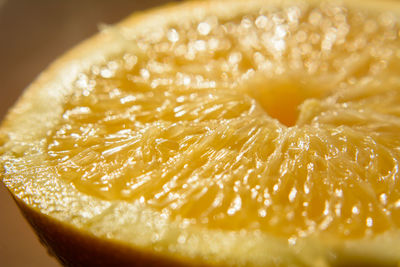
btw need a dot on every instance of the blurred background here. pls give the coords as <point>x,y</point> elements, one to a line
<point>32,34</point>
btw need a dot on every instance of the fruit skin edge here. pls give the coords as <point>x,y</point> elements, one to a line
<point>46,224</point>
<point>76,248</point>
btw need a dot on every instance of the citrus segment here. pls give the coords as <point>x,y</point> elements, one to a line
<point>198,121</point>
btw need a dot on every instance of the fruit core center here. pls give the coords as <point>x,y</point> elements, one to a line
<point>281,99</point>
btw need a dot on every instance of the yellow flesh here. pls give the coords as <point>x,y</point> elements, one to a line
<point>286,120</point>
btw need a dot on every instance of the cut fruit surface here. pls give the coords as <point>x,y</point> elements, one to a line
<point>223,133</point>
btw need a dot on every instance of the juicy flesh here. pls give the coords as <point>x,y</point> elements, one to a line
<point>285,120</point>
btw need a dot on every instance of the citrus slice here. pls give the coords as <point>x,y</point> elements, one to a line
<point>220,133</point>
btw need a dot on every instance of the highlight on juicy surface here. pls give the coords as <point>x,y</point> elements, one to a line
<point>284,120</point>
